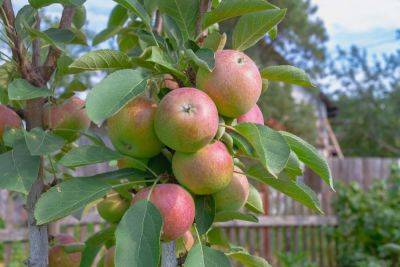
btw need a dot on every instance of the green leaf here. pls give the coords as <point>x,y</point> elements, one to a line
<point>242,144</point>
<point>185,14</point>
<point>254,201</point>
<point>53,36</point>
<point>40,142</point>
<point>118,16</point>
<point>248,260</point>
<point>273,33</point>
<point>203,58</point>
<point>113,92</point>
<point>205,212</point>
<point>234,8</point>
<point>136,8</point>
<point>203,256</point>
<point>138,236</point>
<point>79,18</point>
<point>89,154</point>
<point>126,173</point>
<point>216,236</point>
<point>296,190</point>
<point>224,216</point>
<point>215,41</point>
<point>163,63</point>
<point>93,245</point>
<point>287,74</point>
<point>67,197</point>
<point>101,60</point>
<point>43,3</point>
<point>173,31</point>
<point>12,135</point>
<point>252,27</point>
<point>105,34</point>
<point>18,169</point>
<point>26,15</point>
<point>20,89</point>
<point>310,157</point>
<point>270,147</point>
<point>293,168</point>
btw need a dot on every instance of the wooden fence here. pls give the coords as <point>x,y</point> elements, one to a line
<point>288,227</point>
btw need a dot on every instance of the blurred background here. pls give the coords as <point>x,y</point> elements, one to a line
<point>351,49</point>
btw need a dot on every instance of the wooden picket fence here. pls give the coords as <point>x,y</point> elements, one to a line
<point>286,228</point>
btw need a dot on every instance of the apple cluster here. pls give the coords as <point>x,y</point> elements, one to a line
<point>187,123</point>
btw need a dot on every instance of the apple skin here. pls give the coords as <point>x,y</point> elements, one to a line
<point>206,171</point>
<point>112,208</point>
<point>67,119</point>
<point>234,196</point>
<point>176,206</point>
<point>8,119</point>
<point>131,130</point>
<point>235,83</point>
<point>186,119</point>
<point>58,257</point>
<point>254,115</point>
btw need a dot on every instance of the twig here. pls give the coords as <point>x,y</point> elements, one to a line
<point>36,44</point>
<point>204,6</point>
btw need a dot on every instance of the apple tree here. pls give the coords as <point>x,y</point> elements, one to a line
<point>179,106</point>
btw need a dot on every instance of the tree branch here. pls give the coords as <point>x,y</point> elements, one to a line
<point>36,44</point>
<point>54,53</point>
<point>204,6</point>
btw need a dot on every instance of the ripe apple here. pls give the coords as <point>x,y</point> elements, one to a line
<point>58,257</point>
<point>131,130</point>
<point>254,115</point>
<point>235,83</point>
<point>234,196</point>
<point>176,206</point>
<point>112,208</point>
<point>186,119</point>
<point>8,119</point>
<point>206,171</point>
<point>68,119</point>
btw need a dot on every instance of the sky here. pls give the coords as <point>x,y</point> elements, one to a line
<point>370,24</point>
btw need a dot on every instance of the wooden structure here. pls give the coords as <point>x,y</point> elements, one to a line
<point>289,227</point>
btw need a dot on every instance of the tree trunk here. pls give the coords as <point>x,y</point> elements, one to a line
<point>38,235</point>
<point>168,258</point>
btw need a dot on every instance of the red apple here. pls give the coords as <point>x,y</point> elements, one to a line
<point>254,116</point>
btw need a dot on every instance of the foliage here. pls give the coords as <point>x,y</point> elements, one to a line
<point>147,52</point>
<point>364,89</point>
<point>368,232</point>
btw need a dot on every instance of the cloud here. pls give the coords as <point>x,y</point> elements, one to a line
<point>359,15</point>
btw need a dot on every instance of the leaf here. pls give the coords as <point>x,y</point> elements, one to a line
<point>101,60</point>
<point>67,197</point>
<point>89,154</point>
<point>203,256</point>
<point>79,18</point>
<point>118,16</point>
<point>43,3</point>
<point>205,212</point>
<point>126,173</point>
<point>138,236</point>
<point>293,168</point>
<point>203,58</point>
<point>26,15</point>
<point>185,14</point>
<point>113,92</point>
<point>20,89</point>
<point>93,245</point>
<point>287,74</point>
<point>224,216</point>
<point>234,8</point>
<point>254,201</point>
<point>270,147</point>
<point>248,260</point>
<point>136,8</point>
<point>40,142</point>
<point>296,190</point>
<point>53,36</point>
<point>310,157</point>
<point>18,169</point>
<point>105,34</point>
<point>252,27</point>
<point>216,236</point>
<point>173,32</point>
<point>215,41</point>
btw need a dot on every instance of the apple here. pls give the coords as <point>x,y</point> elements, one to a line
<point>186,119</point>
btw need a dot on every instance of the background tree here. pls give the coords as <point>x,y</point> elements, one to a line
<point>367,93</point>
